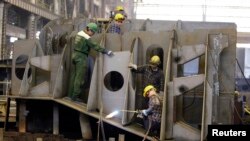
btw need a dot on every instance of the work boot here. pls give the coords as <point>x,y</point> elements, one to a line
<point>73,98</point>
<point>78,100</point>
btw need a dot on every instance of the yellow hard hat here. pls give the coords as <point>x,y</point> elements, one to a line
<point>119,17</point>
<point>146,89</point>
<point>155,60</point>
<point>119,8</point>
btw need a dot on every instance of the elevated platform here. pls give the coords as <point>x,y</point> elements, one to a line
<point>81,107</point>
<point>133,128</point>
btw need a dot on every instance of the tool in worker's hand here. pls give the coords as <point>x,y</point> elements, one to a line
<point>117,112</point>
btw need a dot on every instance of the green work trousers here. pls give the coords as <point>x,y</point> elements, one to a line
<point>78,70</point>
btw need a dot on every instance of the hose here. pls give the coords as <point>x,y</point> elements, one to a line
<point>146,135</point>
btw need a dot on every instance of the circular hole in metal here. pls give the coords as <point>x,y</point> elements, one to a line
<point>22,59</point>
<point>113,81</point>
<point>20,66</point>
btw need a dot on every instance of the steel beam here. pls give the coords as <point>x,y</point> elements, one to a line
<point>15,31</point>
<point>1,27</point>
<point>34,9</point>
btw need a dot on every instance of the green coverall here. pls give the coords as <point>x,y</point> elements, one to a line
<point>79,63</point>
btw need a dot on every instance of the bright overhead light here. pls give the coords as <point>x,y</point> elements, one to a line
<point>239,45</point>
<point>13,39</point>
<point>37,34</point>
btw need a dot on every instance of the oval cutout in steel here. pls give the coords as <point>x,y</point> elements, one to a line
<point>113,81</point>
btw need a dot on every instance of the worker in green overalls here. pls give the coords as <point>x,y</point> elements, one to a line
<point>81,48</point>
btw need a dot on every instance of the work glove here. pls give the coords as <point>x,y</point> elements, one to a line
<point>109,52</point>
<point>133,66</point>
<point>144,112</point>
<point>147,112</point>
<point>139,114</point>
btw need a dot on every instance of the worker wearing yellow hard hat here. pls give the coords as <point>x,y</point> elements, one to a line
<point>152,73</point>
<point>153,84</point>
<point>120,9</point>
<point>155,60</point>
<point>115,25</point>
<point>147,89</point>
<point>153,112</point>
<point>119,17</point>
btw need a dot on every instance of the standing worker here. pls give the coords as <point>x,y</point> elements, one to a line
<point>115,25</point>
<point>153,75</point>
<point>152,115</point>
<point>82,45</point>
<point>120,9</point>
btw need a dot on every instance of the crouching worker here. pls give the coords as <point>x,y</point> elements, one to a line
<point>152,115</point>
<point>82,45</point>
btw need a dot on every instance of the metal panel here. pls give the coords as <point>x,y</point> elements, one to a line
<point>60,72</point>
<point>110,100</point>
<point>21,47</point>
<point>207,109</point>
<point>24,50</point>
<point>182,84</point>
<point>42,62</point>
<point>115,100</point>
<point>189,52</point>
<point>185,132</point>
<point>40,89</point>
<point>92,103</point>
